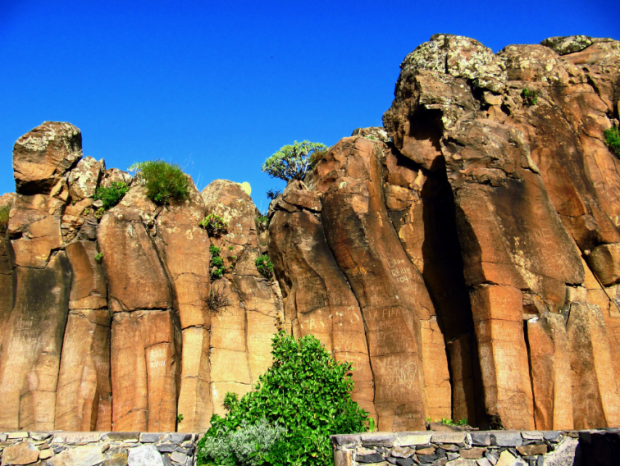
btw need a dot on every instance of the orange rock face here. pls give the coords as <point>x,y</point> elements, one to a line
<point>465,258</point>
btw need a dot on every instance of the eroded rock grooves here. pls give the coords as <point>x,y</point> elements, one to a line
<point>465,258</point>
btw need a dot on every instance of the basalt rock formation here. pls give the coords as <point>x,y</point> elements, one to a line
<point>105,320</point>
<point>478,232</point>
<point>465,258</point>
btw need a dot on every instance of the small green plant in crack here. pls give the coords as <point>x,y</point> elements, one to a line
<point>264,266</point>
<point>217,263</point>
<point>111,195</point>
<point>612,139</point>
<point>4,216</point>
<point>530,97</point>
<point>99,256</point>
<point>214,224</point>
<point>230,248</point>
<point>179,418</point>
<point>262,221</point>
<point>99,213</point>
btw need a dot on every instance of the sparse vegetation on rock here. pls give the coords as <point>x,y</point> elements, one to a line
<point>264,266</point>
<point>4,216</point>
<point>612,139</point>
<point>292,162</point>
<point>217,263</point>
<point>530,97</point>
<point>163,181</point>
<point>111,195</point>
<point>302,399</point>
<point>214,224</point>
<point>217,299</point>
<point>262,221</point>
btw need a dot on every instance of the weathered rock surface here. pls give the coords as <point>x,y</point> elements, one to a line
<point>106,323</point>
<point>465,258</point>
<point>241,331</point>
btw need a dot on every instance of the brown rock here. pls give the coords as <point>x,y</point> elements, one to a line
<point>184,248</point>
<point>143,364</point>
<point>472,453</point>
<point>114,175</point>
<point>31,355</point>
<point>242,331</point>
<point>531,450</point>
<point>551,372</point>
<point>136,276</point>
<point>317,297</point>
<point>84,178</point>
<point>605,263</point>
<point>88,290</point>
<point>595,392</point>
<point>503,354</point>
<point>391,292</point>
<point>42,156</point>
<point>21,453</point>
<point>84,393</point>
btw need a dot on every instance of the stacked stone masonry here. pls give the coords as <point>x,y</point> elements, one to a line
<point>465,258</point>
<point>98,449</point>
<point>488,448</point>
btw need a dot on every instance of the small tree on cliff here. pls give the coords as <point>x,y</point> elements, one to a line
<point>302,399</point>
<point>293,162</point>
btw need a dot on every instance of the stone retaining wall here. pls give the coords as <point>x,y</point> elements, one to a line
<point>486,448</point>
<point>98,449</point>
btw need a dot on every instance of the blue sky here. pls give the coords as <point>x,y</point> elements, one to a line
<point>217,87</point>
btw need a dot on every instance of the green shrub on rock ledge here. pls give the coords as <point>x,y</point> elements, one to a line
<point>214,224</point>
<point>111,195</point>
<point>612,139</point>
<point>264,266</point>
<point>163,181</point>
<point>4,216</point>
<point>302,399</point>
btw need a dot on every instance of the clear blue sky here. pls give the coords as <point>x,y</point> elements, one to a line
<point>217,87</point>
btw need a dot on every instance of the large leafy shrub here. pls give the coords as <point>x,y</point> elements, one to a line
<point>163,181</point>
<point>306,392</point>
<point>292,162</point>
<point>111,195</point>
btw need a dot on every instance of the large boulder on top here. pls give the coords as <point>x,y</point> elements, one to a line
<point>42,156</point>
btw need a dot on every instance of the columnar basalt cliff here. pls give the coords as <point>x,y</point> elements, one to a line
<point>105,321</point>
<point>465,258</point>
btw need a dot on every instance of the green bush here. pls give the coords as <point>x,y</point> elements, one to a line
<point>530,97</point>
<point>306,392</point>
<point>163,181</point>
<point>612,139</point>
<point>292,162</point>
<point>264,266</point>
<point>214,224</point>
<point>4,216</point>
<point>111,195</point>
